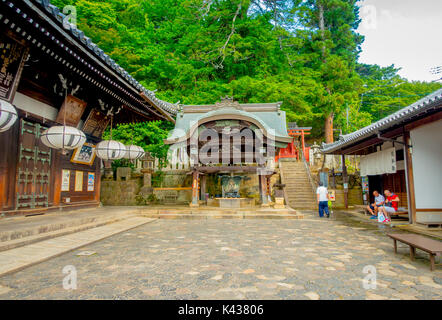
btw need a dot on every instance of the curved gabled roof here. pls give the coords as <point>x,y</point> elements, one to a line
<point>270,121</point>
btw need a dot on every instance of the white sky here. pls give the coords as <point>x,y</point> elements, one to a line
<point>407,33</point>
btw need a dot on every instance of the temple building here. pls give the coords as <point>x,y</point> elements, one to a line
<point>53,76</point>
<point>402,153</point>
<point>227,144</point>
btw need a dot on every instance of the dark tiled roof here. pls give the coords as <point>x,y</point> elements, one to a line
<point>58,16</point>
<point>402,116</point>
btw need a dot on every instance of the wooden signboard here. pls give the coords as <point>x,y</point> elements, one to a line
<point>78,181</point>
<point>65,180</point>
<point>12,57</point>
<point>90,181</point>
<point>74,110</point>
<point>95,123</point>
<point>332,195</point>
<point>84,155</point>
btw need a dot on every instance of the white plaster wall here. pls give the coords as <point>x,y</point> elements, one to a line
<point>36,107</point>
<point>427,165</point>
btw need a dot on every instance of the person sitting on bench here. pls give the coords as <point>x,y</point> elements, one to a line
<point>378,202</point>
<point>391,205</point>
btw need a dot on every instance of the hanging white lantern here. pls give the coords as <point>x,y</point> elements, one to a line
<point>8,115</point>
<point>63,137</point>
<point>110,150</point>
<point>134,152</point>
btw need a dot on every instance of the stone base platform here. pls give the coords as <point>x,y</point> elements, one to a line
<point>231,203</point>
<point>207,212</point>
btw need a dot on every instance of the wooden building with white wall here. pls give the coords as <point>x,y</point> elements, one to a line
<point>51,73</point>
<point>412,165</point>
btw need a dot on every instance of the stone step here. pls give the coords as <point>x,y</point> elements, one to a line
<point>269,215</point>
<point>24,231</point>
<point>26,256</point>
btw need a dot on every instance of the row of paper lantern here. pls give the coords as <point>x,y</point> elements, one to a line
<point>69,138</point>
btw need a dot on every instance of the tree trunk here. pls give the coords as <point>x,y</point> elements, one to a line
<point>329,128</point>
<point>329,117</point>
<point>322,28</point>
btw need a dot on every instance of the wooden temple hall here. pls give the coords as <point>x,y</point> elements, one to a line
<point>58,91</point>
<point>232,146</point>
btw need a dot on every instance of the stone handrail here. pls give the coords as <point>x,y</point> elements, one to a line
<point>310,178</point>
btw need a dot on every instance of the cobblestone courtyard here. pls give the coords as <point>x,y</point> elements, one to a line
<point>233,259</point>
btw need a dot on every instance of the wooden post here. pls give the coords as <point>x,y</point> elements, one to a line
<point>303,143</point>
<point>410,178</point>
<point>203,187</point>
<point>345,181</point>
<point>97,182</point>
<point>57,174</point>
<point>263,190</point>
<point>195,202</point>
<point>268,186</point>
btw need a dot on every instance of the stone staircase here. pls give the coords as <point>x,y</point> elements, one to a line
<point>298,190</point>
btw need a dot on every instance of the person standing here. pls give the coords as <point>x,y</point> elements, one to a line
<point>322,196</point>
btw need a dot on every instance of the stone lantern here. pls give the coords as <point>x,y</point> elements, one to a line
<point>148,162</point>
<point>316,152</point>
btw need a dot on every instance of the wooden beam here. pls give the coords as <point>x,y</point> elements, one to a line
<point>432,118</point>
<point>361,145</point>
<point>214,169</point>
<point>345,181</point>
<point>410,178</point>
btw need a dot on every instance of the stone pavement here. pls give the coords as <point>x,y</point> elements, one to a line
<point>233,259</point>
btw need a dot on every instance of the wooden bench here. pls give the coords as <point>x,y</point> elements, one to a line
<point>363,208</point>
<point>433,247</point>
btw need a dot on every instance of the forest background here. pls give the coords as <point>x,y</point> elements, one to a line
<point>301,52</point>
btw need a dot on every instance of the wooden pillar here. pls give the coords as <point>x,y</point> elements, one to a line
<point>263,190</point>
<point>97,187</point>
<point>203,187</point>
<point>303,144</point>
<point>57,174</point>
<point>268,187</point>
<point>410,178</point>
<point>195,202</point>
<point>345,181</point>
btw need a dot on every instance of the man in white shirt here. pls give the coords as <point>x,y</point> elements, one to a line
<point>322,196</point>
<point>379,201</point>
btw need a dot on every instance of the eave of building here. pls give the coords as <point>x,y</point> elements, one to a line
<point>249,107</point>
<point>75,37</point>
<point>267,121</point>
<point>427,105</point>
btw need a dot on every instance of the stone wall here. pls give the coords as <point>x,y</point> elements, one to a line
<point>354,197</point>
<point>120,193</point>
<point>182,196</point>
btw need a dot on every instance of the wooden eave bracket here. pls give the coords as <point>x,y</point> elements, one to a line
<point>164,113</point>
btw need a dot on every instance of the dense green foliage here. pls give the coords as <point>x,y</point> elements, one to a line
<point>196,51</point>
<point>148,135</point>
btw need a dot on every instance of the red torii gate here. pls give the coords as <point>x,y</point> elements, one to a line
<point>292,151</point>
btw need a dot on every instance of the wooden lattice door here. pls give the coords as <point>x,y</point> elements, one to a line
<point>33,170</point>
